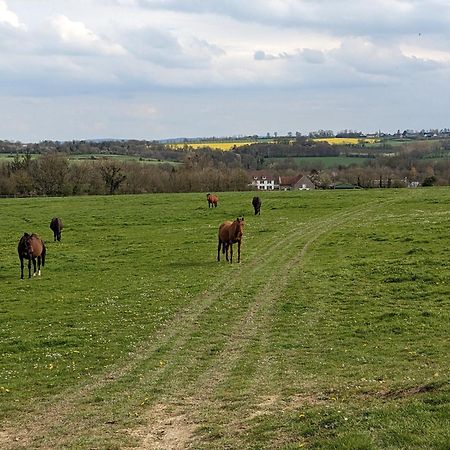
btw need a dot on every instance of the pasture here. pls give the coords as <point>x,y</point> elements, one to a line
<point>332,332</point>
<point>326,162</point>
<point>77,158</point>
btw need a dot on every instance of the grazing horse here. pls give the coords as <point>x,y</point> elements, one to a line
<point>56,226</point>
<point>31,247</point>
<point>229,234</point>
<point>256,202</point>
<point>212,200</point>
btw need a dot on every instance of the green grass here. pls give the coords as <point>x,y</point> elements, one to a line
<point>332,333</point>
<point>5,157</point>
<point>122,158</point>
<point>326,162</point>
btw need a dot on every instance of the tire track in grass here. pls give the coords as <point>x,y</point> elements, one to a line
<point>182,414</point>
<point>57,414</point>
<point>188,329</point>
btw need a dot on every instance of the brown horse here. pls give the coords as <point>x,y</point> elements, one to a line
<point>31,247</point>
<point>213,200</point>
<point>229,234</point>
<point>56,226</point>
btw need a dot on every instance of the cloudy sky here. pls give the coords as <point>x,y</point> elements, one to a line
<point>155,69</point>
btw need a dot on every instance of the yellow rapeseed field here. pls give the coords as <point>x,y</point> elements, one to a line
<point>218,145</point>
<point>228,145</point>
<point>345,141</point>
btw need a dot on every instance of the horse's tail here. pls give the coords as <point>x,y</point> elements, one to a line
<point>43,254</point>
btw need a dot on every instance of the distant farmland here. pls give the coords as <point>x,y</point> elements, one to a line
<point>123,158</point>
<point>325,162</point>
<point>346,141</point>
<point>218,145</point>
<point>4,157</point>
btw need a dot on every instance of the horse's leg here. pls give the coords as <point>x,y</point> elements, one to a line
<point>34,267</point>
<point>231,253</point>
<point>223,245</point>
<point>239,251</point>
<point>29,268</point>
<point>39,265</point>
<point>21,268</point>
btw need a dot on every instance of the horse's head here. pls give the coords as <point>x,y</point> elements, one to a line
<point>25,244</point>
<point>239,227</point>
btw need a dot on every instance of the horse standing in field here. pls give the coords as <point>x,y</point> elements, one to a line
<point>229,234</point>
<point>213,200</point>
<point>56,226</point>
<point>256,202</point>
<point>31,247</point>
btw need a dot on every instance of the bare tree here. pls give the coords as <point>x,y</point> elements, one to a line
<point>112,176</point>
<point>50,173</point>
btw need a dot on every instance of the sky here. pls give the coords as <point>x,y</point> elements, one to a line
<point>159,69</point>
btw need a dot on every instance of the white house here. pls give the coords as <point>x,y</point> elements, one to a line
<point>264,183</point>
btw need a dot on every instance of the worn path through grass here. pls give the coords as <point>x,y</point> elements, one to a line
<point>182,366</point>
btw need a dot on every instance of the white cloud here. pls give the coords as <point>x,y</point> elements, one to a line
<point>77,37</point>
<point>8,17</point>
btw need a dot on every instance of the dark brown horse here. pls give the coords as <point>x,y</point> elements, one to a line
<point>256,202</point>
<point>213,200</point>
<point>229,234</point>
<point>31,247</point>
<point>56,226</point>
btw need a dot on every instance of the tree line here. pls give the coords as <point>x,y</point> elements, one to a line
<point>53,174</point>
<point>46,168</point>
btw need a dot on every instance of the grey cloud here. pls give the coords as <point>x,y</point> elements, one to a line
<point>375,18</point>
<point>366,57</point>
<point>165,49</point>
<point>260,55</point>
<point>151,44</point>
<point>313,56</point>
<point>308,55</point>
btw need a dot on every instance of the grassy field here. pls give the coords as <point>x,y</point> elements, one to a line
<point>325,162</point>
<point>332,333</point>
<point>4,157</point>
